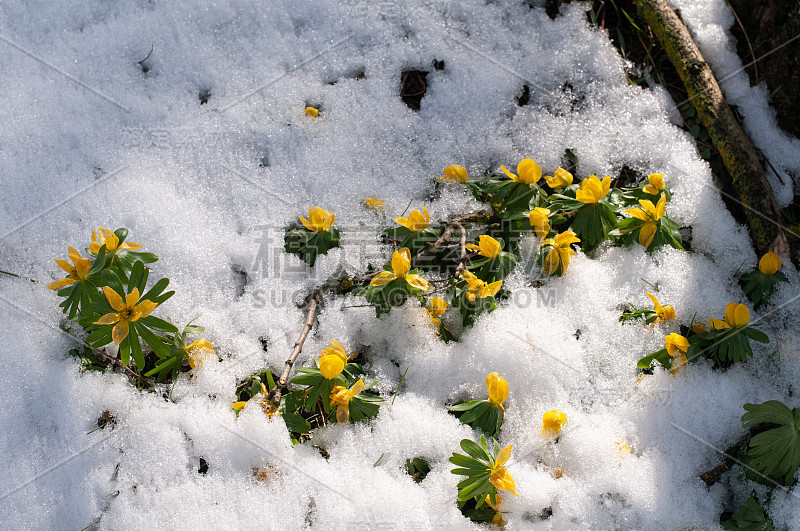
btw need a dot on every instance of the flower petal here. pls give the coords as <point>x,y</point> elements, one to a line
<point>503,455</point>
<point>58,284</point>
<point>418,282</point>
<point>647,233</point>
<point>132,298</point>
<point>529,172</point>
<point>401,262</point>
<point>119,332</point>
<point>145,308</point>
<point>107,319</point>
<point>741,315</point>
<point>331,366</point>
<point>384,277</point>
<point>769,263</point>
<point>509,174</point>
<point>114,299</point>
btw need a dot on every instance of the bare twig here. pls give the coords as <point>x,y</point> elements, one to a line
<point>9,273</point>
<point>152,47</point>
<point>275,393</point>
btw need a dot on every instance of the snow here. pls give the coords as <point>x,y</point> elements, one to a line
<point>91,139</point>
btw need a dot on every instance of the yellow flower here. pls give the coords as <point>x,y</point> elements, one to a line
<point>552,422</point>
<point>561,251</point>
<point>501,477</point>
<point>454,174</point>
<point>735,315</point>
<point>267,406</point>
<point>477,288</point>
<point>333,359</point>
<point>769,263</point>
<point>129,310</point>
<point>436,307</point>
<point>401,263</point>
<point>678,363</point>
<point>312,112</point>
<point>593,189</point>
<point>665,313</point>
<point>649,213</point>
<point>498,389</point>
<point>656,181</point>
<point>75,272</point>
<point>560,179</point>
<point>198,351</point>
<point>698,328</point>
<point>103,236</point>
<point>497,519</point>
<point>674,342</point>
<point>529,172</point>
<point>416,221</point>
<point>374,203</point>
<point>540,222</point>
<point>341,396</point>
<point>321,220</point>
<point>487,246</point>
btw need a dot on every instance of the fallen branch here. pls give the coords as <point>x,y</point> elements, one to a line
<point>738,154</point>
<point>275,393</point>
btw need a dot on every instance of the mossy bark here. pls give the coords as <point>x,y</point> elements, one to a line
<point>738,153</point>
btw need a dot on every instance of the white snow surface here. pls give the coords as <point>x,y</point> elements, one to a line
<point>90,139</point>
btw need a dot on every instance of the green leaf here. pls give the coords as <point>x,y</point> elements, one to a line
<point>295,423</point>
<point>749,517</point>
<point>661,356</point>
<point>472,448</point>
<point>776,451</point>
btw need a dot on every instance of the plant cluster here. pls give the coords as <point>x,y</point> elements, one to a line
<point>106,292</point>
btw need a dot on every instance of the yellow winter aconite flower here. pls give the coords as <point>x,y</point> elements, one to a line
<point>332,360</point>
<point>436,307</point>
<point>674,342</point>
<point>649,213</point>
<point>320,220</point>
<point>128,311</point>
<point>477,288</point>
<point>198,351</point>
<point>529,172</point>
<point>103,236</point>
<point>560,253</point>
<point>401,264</point>
<point>341,396</point>
<point>454,174</point>
<point>498,389</point>
<point>501,477</point>
<point>312,112</point>
<point>75,272</point>
<point>665,313</point>
<point>656,181</point>
<point>561,178</point>
<point>769,263</point>
<point>498,518</point>
<point>416,221</point>
<point>374,203</point>
<point>735,315</point>
<point>267,406</point>
<point>540,222</point>
<point>593,189</point>
<point>487,246</point>
<point>552,422</point>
